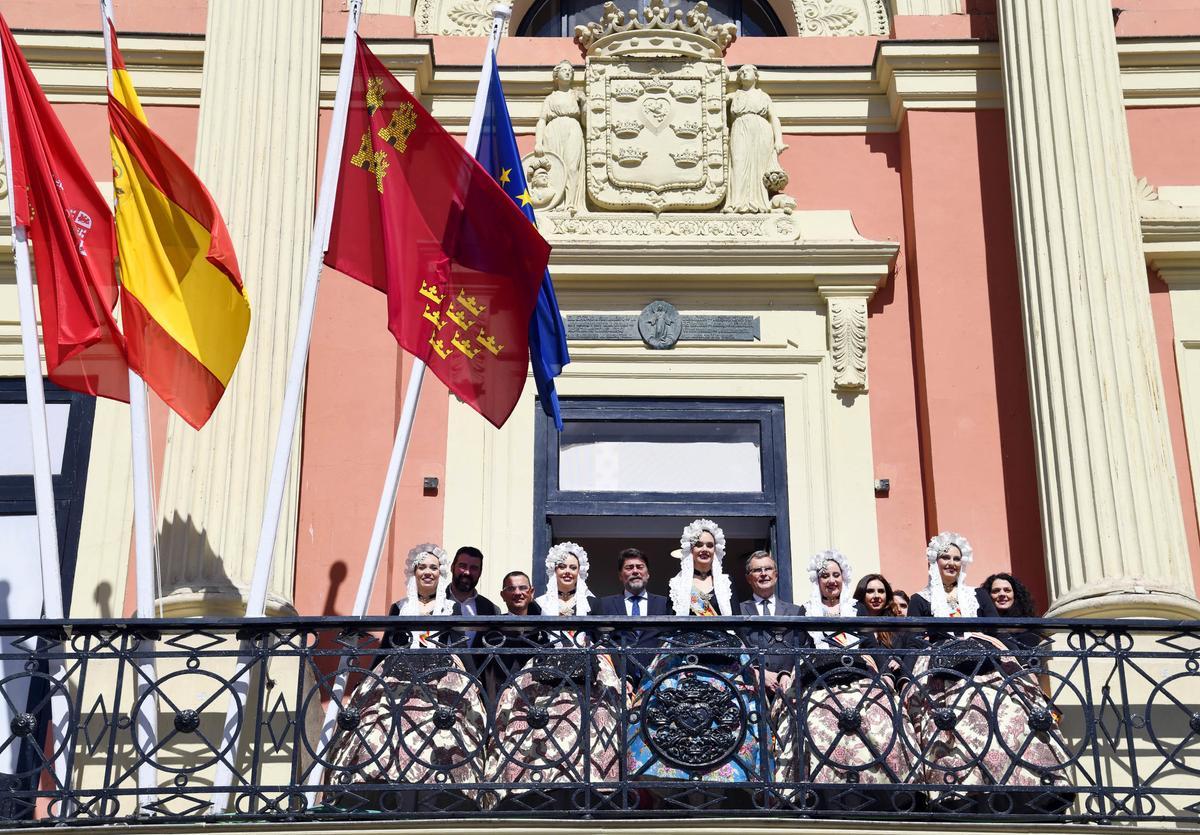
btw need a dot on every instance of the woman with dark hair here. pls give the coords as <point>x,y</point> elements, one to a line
<point>1013,600</point>
<point>1009,596</point>
<point>874,596</point>
<point>982,722</point>
<point>900,603</point>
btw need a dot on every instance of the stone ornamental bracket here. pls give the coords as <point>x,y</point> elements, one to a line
<point>846,305</point>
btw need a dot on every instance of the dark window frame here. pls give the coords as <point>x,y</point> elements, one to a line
<point>16,491</point>
<point>770,504</point>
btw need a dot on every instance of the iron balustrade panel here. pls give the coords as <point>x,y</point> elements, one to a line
<point>1031,720</point>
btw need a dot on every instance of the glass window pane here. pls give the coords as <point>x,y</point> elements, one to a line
<point>16,451</point>
<point>660,457</point>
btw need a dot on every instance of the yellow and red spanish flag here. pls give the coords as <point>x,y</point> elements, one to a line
<point>184,310</point>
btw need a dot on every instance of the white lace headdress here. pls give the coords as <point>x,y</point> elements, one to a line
<point>935,592</point>
<point>411,604</point>
<point>549,602</point>
<point>681,583</point>
<point>816,606</point>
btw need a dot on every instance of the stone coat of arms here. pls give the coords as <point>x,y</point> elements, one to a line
<point>655,109</point>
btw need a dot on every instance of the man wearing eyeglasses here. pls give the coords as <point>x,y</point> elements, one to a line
<point>516,591</point>
<point>762,573</point>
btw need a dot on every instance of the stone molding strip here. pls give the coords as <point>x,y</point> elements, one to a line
<point>905,75</point>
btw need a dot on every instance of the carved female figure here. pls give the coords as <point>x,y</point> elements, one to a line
<point>755,143</point>
<point>560,132</point>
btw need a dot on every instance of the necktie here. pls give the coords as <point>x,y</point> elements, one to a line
<point>766,608</point>
<point>636,600</point>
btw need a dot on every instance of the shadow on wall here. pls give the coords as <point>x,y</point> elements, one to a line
<point>189,563</point>
<point>102,597</point>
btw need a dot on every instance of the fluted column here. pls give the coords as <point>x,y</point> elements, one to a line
<point>256,151</point>
<point>1111,511</point>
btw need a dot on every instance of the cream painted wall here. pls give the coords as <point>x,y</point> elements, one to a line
<point>489,474</point>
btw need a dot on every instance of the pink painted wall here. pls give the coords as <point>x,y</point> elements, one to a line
<point>175,16</point>
<point>356,379</point>
<point>862,174</point>
<point>1163,144</point>
<point>972,390</point>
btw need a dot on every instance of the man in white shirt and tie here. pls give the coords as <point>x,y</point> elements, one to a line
<point>762,573</point>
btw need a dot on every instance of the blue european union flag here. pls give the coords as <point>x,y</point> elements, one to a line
<point>498,154</point>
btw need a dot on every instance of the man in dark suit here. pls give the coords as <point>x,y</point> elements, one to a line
<point>465,571</point>
<point>762,574</point>
<point>634,601</point>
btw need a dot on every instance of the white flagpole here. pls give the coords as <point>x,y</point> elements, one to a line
<point>391,487</point>
<point>143,535</point>
<point>256,602</point>
<point>43,485</point>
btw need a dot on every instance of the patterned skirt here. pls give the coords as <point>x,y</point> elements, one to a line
<point>995,728</point>
<point>550,729</point>
<point>416,727</point>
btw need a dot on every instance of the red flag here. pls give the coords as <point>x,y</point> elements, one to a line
<point>71,229</point>
<point>418,218</point>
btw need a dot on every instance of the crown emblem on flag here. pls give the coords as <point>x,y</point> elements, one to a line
<point>692,33</point>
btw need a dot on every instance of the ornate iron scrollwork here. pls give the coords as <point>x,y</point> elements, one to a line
<point>694,719</point>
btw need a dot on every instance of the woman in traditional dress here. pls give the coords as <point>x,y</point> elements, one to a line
<point>985,734</point>
<point>560,131</point>
<point>416,717</point>
<point>557,718</point>
<point>705,670</point>
<point>849,712</point>
<point>755,143</point>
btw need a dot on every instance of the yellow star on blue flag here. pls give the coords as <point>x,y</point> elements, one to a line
<point>499,155</point>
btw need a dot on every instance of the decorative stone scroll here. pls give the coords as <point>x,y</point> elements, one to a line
<point>848,342</point>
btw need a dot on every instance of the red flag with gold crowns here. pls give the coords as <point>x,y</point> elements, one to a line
<point>418,218</point>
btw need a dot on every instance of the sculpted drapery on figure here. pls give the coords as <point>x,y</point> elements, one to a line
<point>755,143</point>
<point>560,132</point>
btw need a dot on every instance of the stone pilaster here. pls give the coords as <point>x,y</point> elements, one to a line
<point>256,152</point>
<point>1111,512</point>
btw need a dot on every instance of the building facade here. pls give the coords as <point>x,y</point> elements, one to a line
<point>836,273</point>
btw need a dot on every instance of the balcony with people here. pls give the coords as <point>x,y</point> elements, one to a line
<point>623,706</point>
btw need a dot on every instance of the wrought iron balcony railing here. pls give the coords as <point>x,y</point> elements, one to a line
<point>1095,721</point>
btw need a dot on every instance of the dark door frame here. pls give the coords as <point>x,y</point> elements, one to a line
<point>770,504</point>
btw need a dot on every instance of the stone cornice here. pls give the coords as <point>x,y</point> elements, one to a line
<point>905,75</point>
<point>1171,235</point>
